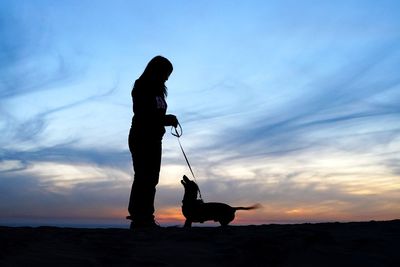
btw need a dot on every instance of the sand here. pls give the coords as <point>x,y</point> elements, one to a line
<point>324,244</point>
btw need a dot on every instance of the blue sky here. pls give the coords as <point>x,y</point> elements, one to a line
<point>291,104</point>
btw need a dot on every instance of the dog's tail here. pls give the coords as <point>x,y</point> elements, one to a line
<point>256,206</point>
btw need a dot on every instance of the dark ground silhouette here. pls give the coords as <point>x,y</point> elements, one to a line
<point>326,244</point>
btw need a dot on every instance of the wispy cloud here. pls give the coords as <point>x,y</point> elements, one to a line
<point>356,95</point>
<point>51,193</point>
<point>28,61</point>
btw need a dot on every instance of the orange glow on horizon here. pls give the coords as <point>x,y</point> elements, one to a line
<point>267,215</point>
<point>170,215</point>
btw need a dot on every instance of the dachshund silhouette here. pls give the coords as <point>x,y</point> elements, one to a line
<point>195,210</point>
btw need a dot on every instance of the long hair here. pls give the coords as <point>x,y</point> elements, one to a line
<point>154,75</point>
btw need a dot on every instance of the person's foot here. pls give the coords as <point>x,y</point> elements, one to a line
<point>136,224</point>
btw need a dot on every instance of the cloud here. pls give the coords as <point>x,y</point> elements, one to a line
<point>34,198</point>
<point>31,63</point>
<point>62,182</point>
<point>351,97</point>
<point>28,63</point>
<point>68,153</point>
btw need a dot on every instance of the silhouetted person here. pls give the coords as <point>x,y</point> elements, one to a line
<point>147,130</point>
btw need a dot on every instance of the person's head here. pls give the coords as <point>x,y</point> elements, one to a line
<point>157,72</point>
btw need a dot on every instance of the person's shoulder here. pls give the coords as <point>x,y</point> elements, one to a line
<point>142,90</point>
<point>141,85</point>
<point>138,83</point>
<point>138,88</point>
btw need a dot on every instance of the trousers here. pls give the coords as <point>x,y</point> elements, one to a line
<point>146,158</point>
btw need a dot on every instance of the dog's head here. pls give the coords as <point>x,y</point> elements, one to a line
<point>191,188</point>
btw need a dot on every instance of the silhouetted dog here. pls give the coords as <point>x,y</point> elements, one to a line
<point>195,210</point>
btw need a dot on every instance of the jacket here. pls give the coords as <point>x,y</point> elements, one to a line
<point>149,112</point>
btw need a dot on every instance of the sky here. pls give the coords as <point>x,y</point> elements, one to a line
<point>290,104</point>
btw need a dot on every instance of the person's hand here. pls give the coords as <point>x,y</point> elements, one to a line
<point>171,120</point>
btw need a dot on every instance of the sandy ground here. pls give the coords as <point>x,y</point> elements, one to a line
<point>327,244</point>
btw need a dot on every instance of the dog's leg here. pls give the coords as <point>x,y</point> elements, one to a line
<point>227,218</point>
<point>188,224</point>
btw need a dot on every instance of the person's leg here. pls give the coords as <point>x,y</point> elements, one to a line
<point>153,177</point>
<point>146,160</point>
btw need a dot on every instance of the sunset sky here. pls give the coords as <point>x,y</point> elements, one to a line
<point>291,104</point>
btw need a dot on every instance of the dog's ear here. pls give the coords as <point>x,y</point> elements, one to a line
<point>183,182</point>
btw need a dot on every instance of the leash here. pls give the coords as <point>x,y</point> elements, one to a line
<point>178,134</point>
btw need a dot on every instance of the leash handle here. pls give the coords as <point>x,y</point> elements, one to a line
<point>178,134</point>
